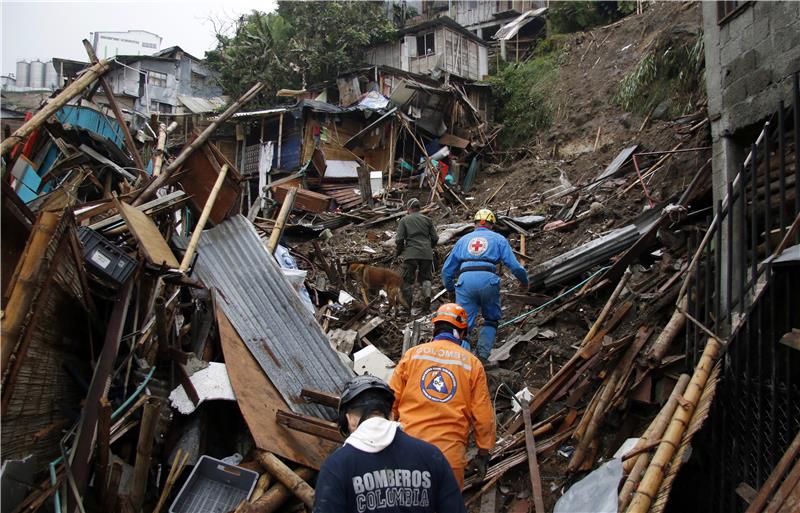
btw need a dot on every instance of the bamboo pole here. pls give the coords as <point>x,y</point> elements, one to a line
<point>280,224</point>
<point>143,450</point>
<point>163,130</point>
<point>112,102</point>
<point>668,334</point>
<point>201,223</point>
<point>68,93</point>
<point>275,497</point>
<point>174,473</point>
<point>653,477</point>
<point>262,485</point>
<point>23,294</point>
<point>604,312</point>
<point>293,482</point>
<point>636,466</point>
<point>190,148</point>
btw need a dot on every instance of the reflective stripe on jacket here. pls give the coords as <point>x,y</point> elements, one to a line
<point>440,393</point>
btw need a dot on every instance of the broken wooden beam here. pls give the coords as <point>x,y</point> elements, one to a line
<point>318,396</point>
<point>280,223</point>
<point>533,463</point>
<point>201,223</point>
<point>294,483</point>
<point>144,449</point>
<point>276,496</point>
<point>311,425</point>
<point>103,445</point>
<point>768,489</point>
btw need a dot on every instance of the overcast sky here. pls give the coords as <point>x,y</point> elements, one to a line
<point>43,30</point>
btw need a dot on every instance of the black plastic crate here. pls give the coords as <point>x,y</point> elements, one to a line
<point>103,258</point>
<point>214,487</point>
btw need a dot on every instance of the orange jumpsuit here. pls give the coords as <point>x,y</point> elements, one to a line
<point>440,393</point>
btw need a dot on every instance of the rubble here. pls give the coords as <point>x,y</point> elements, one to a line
<point>167,315</point>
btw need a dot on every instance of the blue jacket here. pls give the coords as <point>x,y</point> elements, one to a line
<point>408,476</point>
<point>481,248</point>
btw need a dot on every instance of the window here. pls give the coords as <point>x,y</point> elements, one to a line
<point>149,45</point>
<point>425,44</point>
<point>728,9</point>
<point>163,108</point>
<point>154,78</point>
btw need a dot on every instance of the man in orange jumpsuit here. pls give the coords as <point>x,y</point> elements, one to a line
<point>441,392</point>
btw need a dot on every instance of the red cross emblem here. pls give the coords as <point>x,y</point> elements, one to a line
<point>477,246</point>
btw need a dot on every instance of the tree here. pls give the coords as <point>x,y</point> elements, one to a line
<point>302,43</point>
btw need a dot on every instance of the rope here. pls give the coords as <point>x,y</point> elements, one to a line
<point>566,293</point>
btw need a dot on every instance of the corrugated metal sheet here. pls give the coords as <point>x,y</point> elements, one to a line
<point>199,105</point>
<point>509,30</point>
<point>281,334</point>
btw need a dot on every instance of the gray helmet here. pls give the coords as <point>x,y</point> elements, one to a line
<point>354,388</point>
<point>412,203</point>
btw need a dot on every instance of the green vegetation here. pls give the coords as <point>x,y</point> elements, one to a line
<point>576,16</point>
<point>671,71</point>
<point>302,43</point>
<point>523,97</point>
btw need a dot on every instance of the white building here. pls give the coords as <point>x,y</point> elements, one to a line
<point>131,42</point>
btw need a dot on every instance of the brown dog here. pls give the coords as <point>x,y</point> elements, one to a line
<point>374,278</point>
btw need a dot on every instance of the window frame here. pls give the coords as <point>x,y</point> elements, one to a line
<point>724,15</point>
<point>424,38</point>
<point>156,80</point>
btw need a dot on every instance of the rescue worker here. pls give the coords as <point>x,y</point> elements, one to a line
<point>472,271</point>
<point>379,467</point>
<point>441,393</point>
<point>416,237</point>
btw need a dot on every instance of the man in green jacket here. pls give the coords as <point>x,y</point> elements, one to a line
<point>416,237</point>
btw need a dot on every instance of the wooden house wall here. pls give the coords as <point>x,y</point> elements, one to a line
<point>44,399</point>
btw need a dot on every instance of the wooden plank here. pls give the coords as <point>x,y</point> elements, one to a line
<point>259,402</point>
<point>311,425</point>
<point>151,242</point>
<point>533,463</point>
<point>453,140</point>
<point>318,396</point>
<point>769,487</point>
<point>370,325</point>
<point>792,481</point>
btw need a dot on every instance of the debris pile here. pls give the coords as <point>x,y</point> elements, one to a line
<point>177,331</point>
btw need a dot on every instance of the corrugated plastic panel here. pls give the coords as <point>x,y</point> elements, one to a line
<point>281,334</point>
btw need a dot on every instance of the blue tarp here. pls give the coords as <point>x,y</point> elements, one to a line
<point>76,116</point>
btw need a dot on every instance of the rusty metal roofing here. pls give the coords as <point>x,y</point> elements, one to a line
<point>281,334</point>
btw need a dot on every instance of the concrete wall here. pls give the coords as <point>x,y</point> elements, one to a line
<point>750,61</point>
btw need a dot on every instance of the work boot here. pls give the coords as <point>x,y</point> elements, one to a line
<point>426,297</point>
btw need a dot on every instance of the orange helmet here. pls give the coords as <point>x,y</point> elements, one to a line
<point>451,313</point>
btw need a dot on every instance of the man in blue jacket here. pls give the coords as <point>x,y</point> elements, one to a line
<point>472,271</point>
<point>379,468</point>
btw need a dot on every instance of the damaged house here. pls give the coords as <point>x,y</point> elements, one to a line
<point>166,82</point>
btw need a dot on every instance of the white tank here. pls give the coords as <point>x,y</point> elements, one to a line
<point>50,76</point>
<point>37,74</point>
<point>23,73</point>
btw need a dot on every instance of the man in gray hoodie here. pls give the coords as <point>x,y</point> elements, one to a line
<point>379,468</point>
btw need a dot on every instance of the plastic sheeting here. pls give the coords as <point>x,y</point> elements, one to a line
<point>595,493</point>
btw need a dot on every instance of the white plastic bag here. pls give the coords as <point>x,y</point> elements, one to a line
<point>595,493</point>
